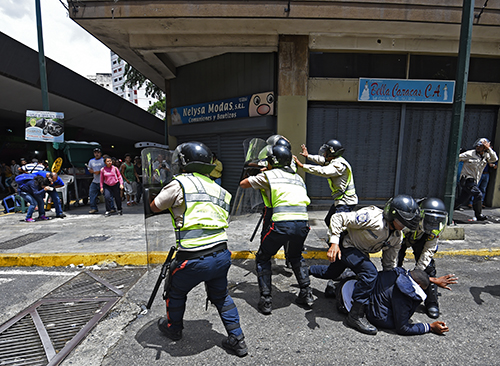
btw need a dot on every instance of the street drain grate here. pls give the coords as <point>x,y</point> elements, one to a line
<point>47,331</point>
<point>26,239</point>
<point>94,239</point>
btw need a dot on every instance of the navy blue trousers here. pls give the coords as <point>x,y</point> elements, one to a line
<point>359,263</point>
<point>211,269</point>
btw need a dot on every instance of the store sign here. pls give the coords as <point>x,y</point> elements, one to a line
<point>44,126</point>
<point>255,105</point>
<point>406,91</point>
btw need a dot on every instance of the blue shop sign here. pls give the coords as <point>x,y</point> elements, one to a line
<point>406,91</point>
<point>261,104</point>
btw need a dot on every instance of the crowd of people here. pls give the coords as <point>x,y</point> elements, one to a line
<point>33,181</point>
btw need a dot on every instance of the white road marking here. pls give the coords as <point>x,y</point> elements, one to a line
<point>37,273</point>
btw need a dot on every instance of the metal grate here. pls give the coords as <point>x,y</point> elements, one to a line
<point>46,332</point>
<point>21,345</point>
<point>26,239</point>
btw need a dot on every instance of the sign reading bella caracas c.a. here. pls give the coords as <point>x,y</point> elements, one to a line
<point>261,104</point>
<point>406,91</point>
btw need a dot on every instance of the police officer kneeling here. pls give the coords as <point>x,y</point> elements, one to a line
<point>199,209</point>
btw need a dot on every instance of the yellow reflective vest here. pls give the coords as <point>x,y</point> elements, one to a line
<point>289,198</point>
<point>207,210</point>
<point>349,190</point>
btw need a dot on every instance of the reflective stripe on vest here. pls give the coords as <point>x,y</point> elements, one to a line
<point>288,195</point>
<point>350,189</point>
<point>207,210</point>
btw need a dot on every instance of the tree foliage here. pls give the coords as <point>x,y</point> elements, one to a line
<point>158,106</point>
<point>134,79</point>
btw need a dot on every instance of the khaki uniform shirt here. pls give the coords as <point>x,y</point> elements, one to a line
<point>367,231</point>
<point>336,171</point>
<point>171,196</point>
<point>474,163</point>
<point>428,250</point>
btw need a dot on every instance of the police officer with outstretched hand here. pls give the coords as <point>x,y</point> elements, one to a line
<point>338,172</point>
<point>199,208</point>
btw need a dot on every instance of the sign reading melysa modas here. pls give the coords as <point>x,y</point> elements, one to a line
<point>406,91</point>
<point>261,104</point>
<point>44,126</point>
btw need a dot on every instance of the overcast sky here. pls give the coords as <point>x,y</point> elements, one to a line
<point>63,39</point>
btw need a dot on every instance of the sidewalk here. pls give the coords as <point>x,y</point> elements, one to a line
<point>82,238</point>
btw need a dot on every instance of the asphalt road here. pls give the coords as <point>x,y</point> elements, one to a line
<point>293,335</point>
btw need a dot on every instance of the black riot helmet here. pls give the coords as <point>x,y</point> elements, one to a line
<point>404,209</point>
<point>434,215</point>
<point>283,142</point>
<point>192,157</point>
<point>331,149</point>
<point>279,156</point>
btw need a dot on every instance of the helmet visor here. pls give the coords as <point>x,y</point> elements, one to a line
<point>434,222</point>
<point>323,150</point>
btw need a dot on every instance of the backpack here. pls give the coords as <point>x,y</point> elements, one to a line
<point>22,179</point>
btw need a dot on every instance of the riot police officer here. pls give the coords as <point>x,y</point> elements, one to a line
<point>285,192</point>
<point>338,172</point>
<point>367,230</point>
<point>199,209</point>
<point>423,240</point>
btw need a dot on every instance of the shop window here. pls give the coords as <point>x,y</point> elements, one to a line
<point>355,65</point>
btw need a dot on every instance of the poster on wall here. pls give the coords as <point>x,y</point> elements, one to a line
<point>44,126</point>
<point>255,105</point>
<point>406,91</point>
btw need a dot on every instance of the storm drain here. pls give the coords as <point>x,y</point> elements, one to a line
<point>26,239</point>
<point>47,331</point>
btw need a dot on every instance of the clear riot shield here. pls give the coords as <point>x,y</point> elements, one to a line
<point>248,201</point>
<point>156,173</point>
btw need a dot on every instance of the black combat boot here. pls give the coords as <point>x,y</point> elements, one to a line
<point>236,344</point>
<point>301,271</point>
<point>356,319</point>
<point>265,304</point>
<point>431,302</point>
<point>478,208</point>
<point>165,329</point>
<point>305,297</point>
<point>330,290</point>
<point>264,280</point>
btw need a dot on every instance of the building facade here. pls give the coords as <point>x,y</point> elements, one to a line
<point>312,57</point>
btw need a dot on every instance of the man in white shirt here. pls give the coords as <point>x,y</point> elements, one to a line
<point>474,162</point>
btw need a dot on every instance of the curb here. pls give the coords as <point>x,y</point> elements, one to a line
<point>140,258</point>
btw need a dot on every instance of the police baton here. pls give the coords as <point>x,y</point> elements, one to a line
<point>257,226</point>
<point>164,270</point>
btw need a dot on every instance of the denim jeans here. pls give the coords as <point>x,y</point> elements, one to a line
<point>57,202</point>
<point>94,191</point>
<point>33,202</point>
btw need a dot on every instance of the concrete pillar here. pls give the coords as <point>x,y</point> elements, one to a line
<point>293,74</point>
<point>171,141</point>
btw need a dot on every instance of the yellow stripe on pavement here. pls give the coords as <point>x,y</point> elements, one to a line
<point>140,258</point>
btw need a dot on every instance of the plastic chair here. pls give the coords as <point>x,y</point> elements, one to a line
<point>9,203</point>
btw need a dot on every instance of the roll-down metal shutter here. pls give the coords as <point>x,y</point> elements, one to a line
<point>369,134</point>
<point>229,150</point>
